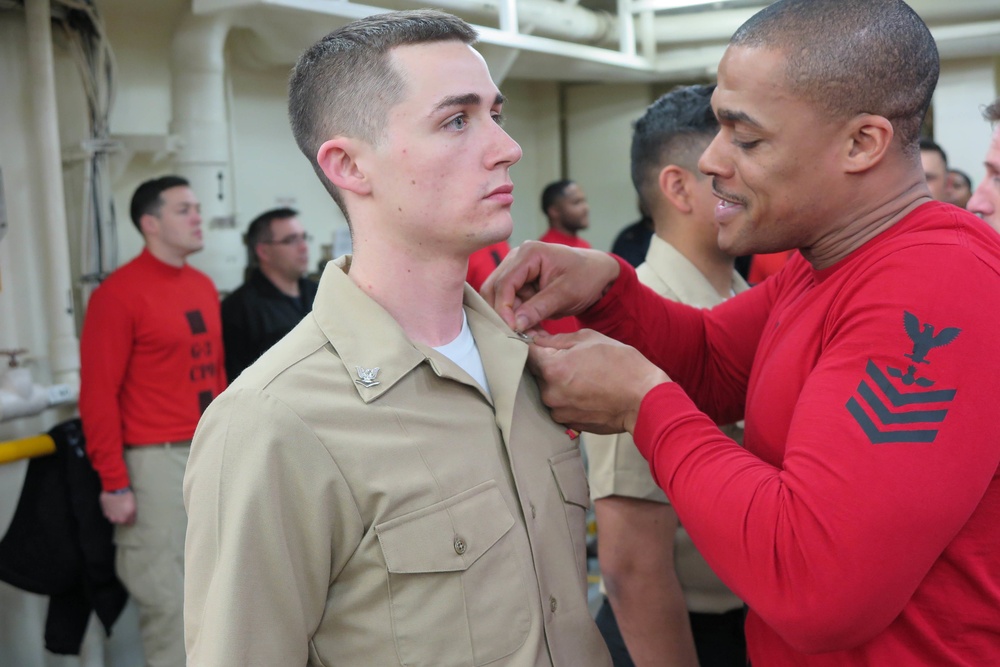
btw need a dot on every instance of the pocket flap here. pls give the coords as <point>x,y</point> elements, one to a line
<point>571,478</point>
<point>448,536</point>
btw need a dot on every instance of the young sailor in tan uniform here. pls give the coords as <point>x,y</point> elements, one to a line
<point>384,486</point>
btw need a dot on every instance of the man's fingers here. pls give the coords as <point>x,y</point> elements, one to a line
<point>501,289</point>
<point>520,289</point>
<point>118,508</point>
<point>530,305</point>
<point>537,356</point>
<point>557,341</point>
<point>570,340</point>
<point>539,281</point>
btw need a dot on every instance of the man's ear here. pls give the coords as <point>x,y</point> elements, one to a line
<point>869,138</point>
<point>552,213</point>
<point>338,158</point>
<point>148,224</point>
<point>673,182</point>
<point>258,251</point>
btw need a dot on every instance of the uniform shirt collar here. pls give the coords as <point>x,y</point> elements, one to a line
<point>684,279</point>
<point>365,336</point>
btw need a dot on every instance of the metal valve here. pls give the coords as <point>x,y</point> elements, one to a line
<point>12,356</point>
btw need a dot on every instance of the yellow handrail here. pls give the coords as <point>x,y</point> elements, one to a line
<point>26,448</point>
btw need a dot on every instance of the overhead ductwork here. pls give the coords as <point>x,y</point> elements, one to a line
<point>566,41</point>
<point>64,356</point>
<point>200,125</point>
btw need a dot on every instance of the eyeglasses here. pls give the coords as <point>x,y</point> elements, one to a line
<point>294,239</point>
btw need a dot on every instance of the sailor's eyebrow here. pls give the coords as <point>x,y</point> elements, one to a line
<point>731,116</point>
<point>469,99</point>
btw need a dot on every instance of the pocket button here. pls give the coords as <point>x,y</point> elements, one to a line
<point>460,546</point>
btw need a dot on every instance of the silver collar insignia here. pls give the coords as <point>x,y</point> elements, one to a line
<point>366,376</point>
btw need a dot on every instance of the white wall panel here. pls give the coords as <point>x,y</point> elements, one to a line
<point>964,88</point>
<point>599,135</point>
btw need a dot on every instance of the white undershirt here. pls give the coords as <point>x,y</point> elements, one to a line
<point>464,352</point>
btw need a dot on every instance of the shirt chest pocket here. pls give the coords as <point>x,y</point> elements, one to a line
<point>571,479</point>
<point>457,590</point>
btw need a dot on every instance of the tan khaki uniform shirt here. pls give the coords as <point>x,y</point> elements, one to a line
<point>614,464</point>
<point>340,516</point>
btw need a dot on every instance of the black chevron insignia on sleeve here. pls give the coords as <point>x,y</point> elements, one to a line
<point>889,415</point>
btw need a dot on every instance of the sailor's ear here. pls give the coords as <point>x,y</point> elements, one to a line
<point>339,160</point>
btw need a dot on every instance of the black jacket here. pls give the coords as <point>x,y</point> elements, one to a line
<point>60,544</point>
<point>256,316</point>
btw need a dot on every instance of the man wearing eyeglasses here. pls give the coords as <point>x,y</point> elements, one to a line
<point>275,296</point>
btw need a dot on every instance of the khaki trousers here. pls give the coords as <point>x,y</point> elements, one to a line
<point>150,554</point>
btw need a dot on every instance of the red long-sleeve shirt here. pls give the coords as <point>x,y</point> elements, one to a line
<point>861,523</point>
<point>151,360</point>
<point>484,261</point>
<point>555,236</point>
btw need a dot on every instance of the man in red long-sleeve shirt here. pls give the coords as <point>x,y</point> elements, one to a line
<point>860,522</point>
<point>565,207</point>
<point>152,360</point>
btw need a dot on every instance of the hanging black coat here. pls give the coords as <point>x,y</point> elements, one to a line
<point>60,544</point>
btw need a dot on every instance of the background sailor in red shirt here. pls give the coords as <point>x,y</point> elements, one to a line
<point>152,360</point>
<point>860,522</point>
<point>565,206</point>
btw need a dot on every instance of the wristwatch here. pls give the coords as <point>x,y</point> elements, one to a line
<point>118,492</point>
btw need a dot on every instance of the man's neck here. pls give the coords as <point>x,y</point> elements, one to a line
<point>286,285</point>
<point>166,255</point>
<point>562,229</point>
<point>424,296</point>
<point>859,227</point>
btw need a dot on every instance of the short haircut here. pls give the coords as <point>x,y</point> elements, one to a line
<point>147,200</point>
<point>992,112</point>
<point>259,230</point>
<point>553,192</point>
<point>675,129</point>
<point>345,84</point>
<point>964,176</point>
<point>932,147</point>
<point>850,57</point>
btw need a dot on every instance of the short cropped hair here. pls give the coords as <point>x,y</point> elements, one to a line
<point>850,57</point>
<point>147,200</point>
<point>992,112</point>
<point>345,84</point>
<point>259,230</point>
<point>553,192</point>
<point>964,176</point>
<point>675,129</point>
<point>931,146</point>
